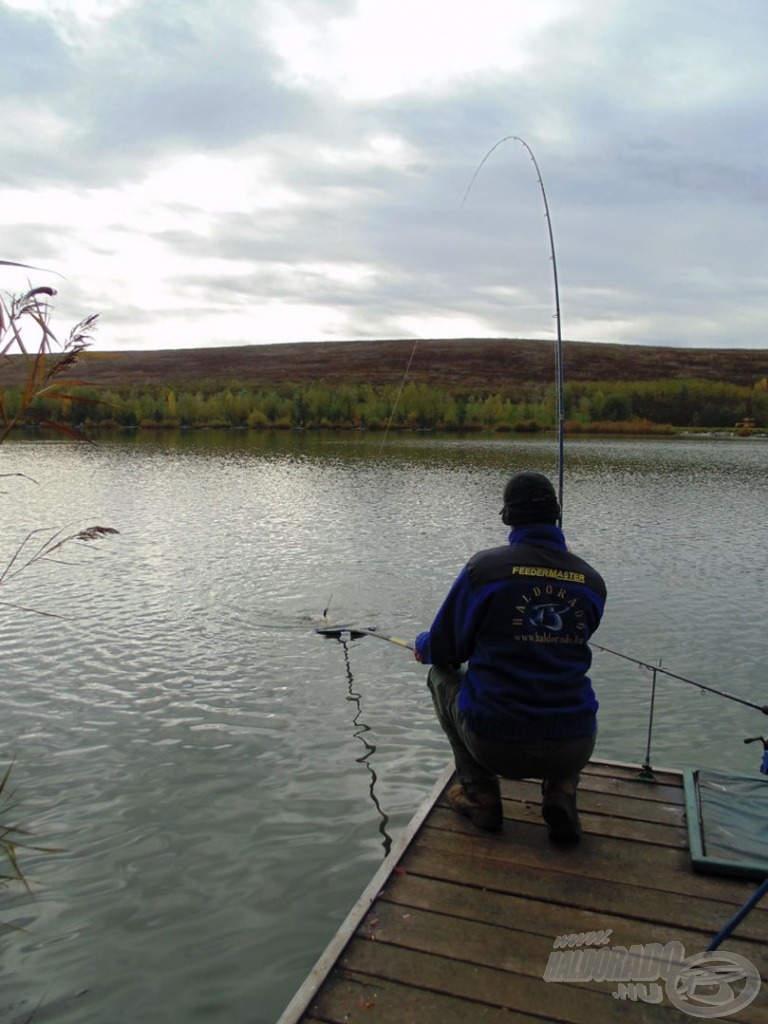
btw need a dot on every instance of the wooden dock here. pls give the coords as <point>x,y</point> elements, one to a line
<point>458,926</point>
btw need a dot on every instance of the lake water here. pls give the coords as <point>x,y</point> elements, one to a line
<point>220,781</point>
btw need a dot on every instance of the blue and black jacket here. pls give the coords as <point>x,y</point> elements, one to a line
<point>521,615</point>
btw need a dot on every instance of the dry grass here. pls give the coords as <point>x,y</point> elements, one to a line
<point>42,366</point>
<point>31,354</point>
<point>10,835</point>
<point>45,546</point>
<point>13,838</point>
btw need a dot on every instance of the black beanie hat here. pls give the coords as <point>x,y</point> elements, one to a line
<point>529,498</point>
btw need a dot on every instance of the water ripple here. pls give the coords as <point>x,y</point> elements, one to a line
<point>217,777</point>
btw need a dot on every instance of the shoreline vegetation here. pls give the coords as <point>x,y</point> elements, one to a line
<point>470,385</point>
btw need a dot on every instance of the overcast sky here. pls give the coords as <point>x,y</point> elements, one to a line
<point>247,171</point>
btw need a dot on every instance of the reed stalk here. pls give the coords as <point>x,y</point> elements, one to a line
<point>26,335</point>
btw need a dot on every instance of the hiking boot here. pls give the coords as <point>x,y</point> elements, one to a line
<point>558,809</point>
<point>481,806</point>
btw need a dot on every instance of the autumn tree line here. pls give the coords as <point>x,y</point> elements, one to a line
<point>620,406</point>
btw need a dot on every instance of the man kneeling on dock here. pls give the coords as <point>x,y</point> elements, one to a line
<point>520,616</point>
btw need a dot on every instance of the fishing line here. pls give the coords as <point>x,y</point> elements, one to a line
<point>397,396</point>
<point>361,728</point>
<point>559,386</point>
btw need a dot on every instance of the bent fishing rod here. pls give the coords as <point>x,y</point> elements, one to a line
<point>559,373</point>
<point>559,387</point>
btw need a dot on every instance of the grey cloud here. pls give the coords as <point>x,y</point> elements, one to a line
<point>164,78</point>
<point>35,61</point>
<point>658,200</point>
<point>208,92</point>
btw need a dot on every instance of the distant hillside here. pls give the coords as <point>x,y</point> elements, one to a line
<point>486,364</point>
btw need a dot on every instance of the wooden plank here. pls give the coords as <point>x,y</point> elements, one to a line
<point>600,802</point>
<point>491,987</point>
<point>574,891</point>
<point>596,858</point>
<point>548,919</point>
<point>596,825</point>
<point>348,999</point>
<point>631,788</point>
<point>637,830</point>
<point>626,770</point>
<point>471,942</point>
<point>486,945</point>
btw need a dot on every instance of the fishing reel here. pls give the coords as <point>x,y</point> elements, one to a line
<point>764,741</point>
